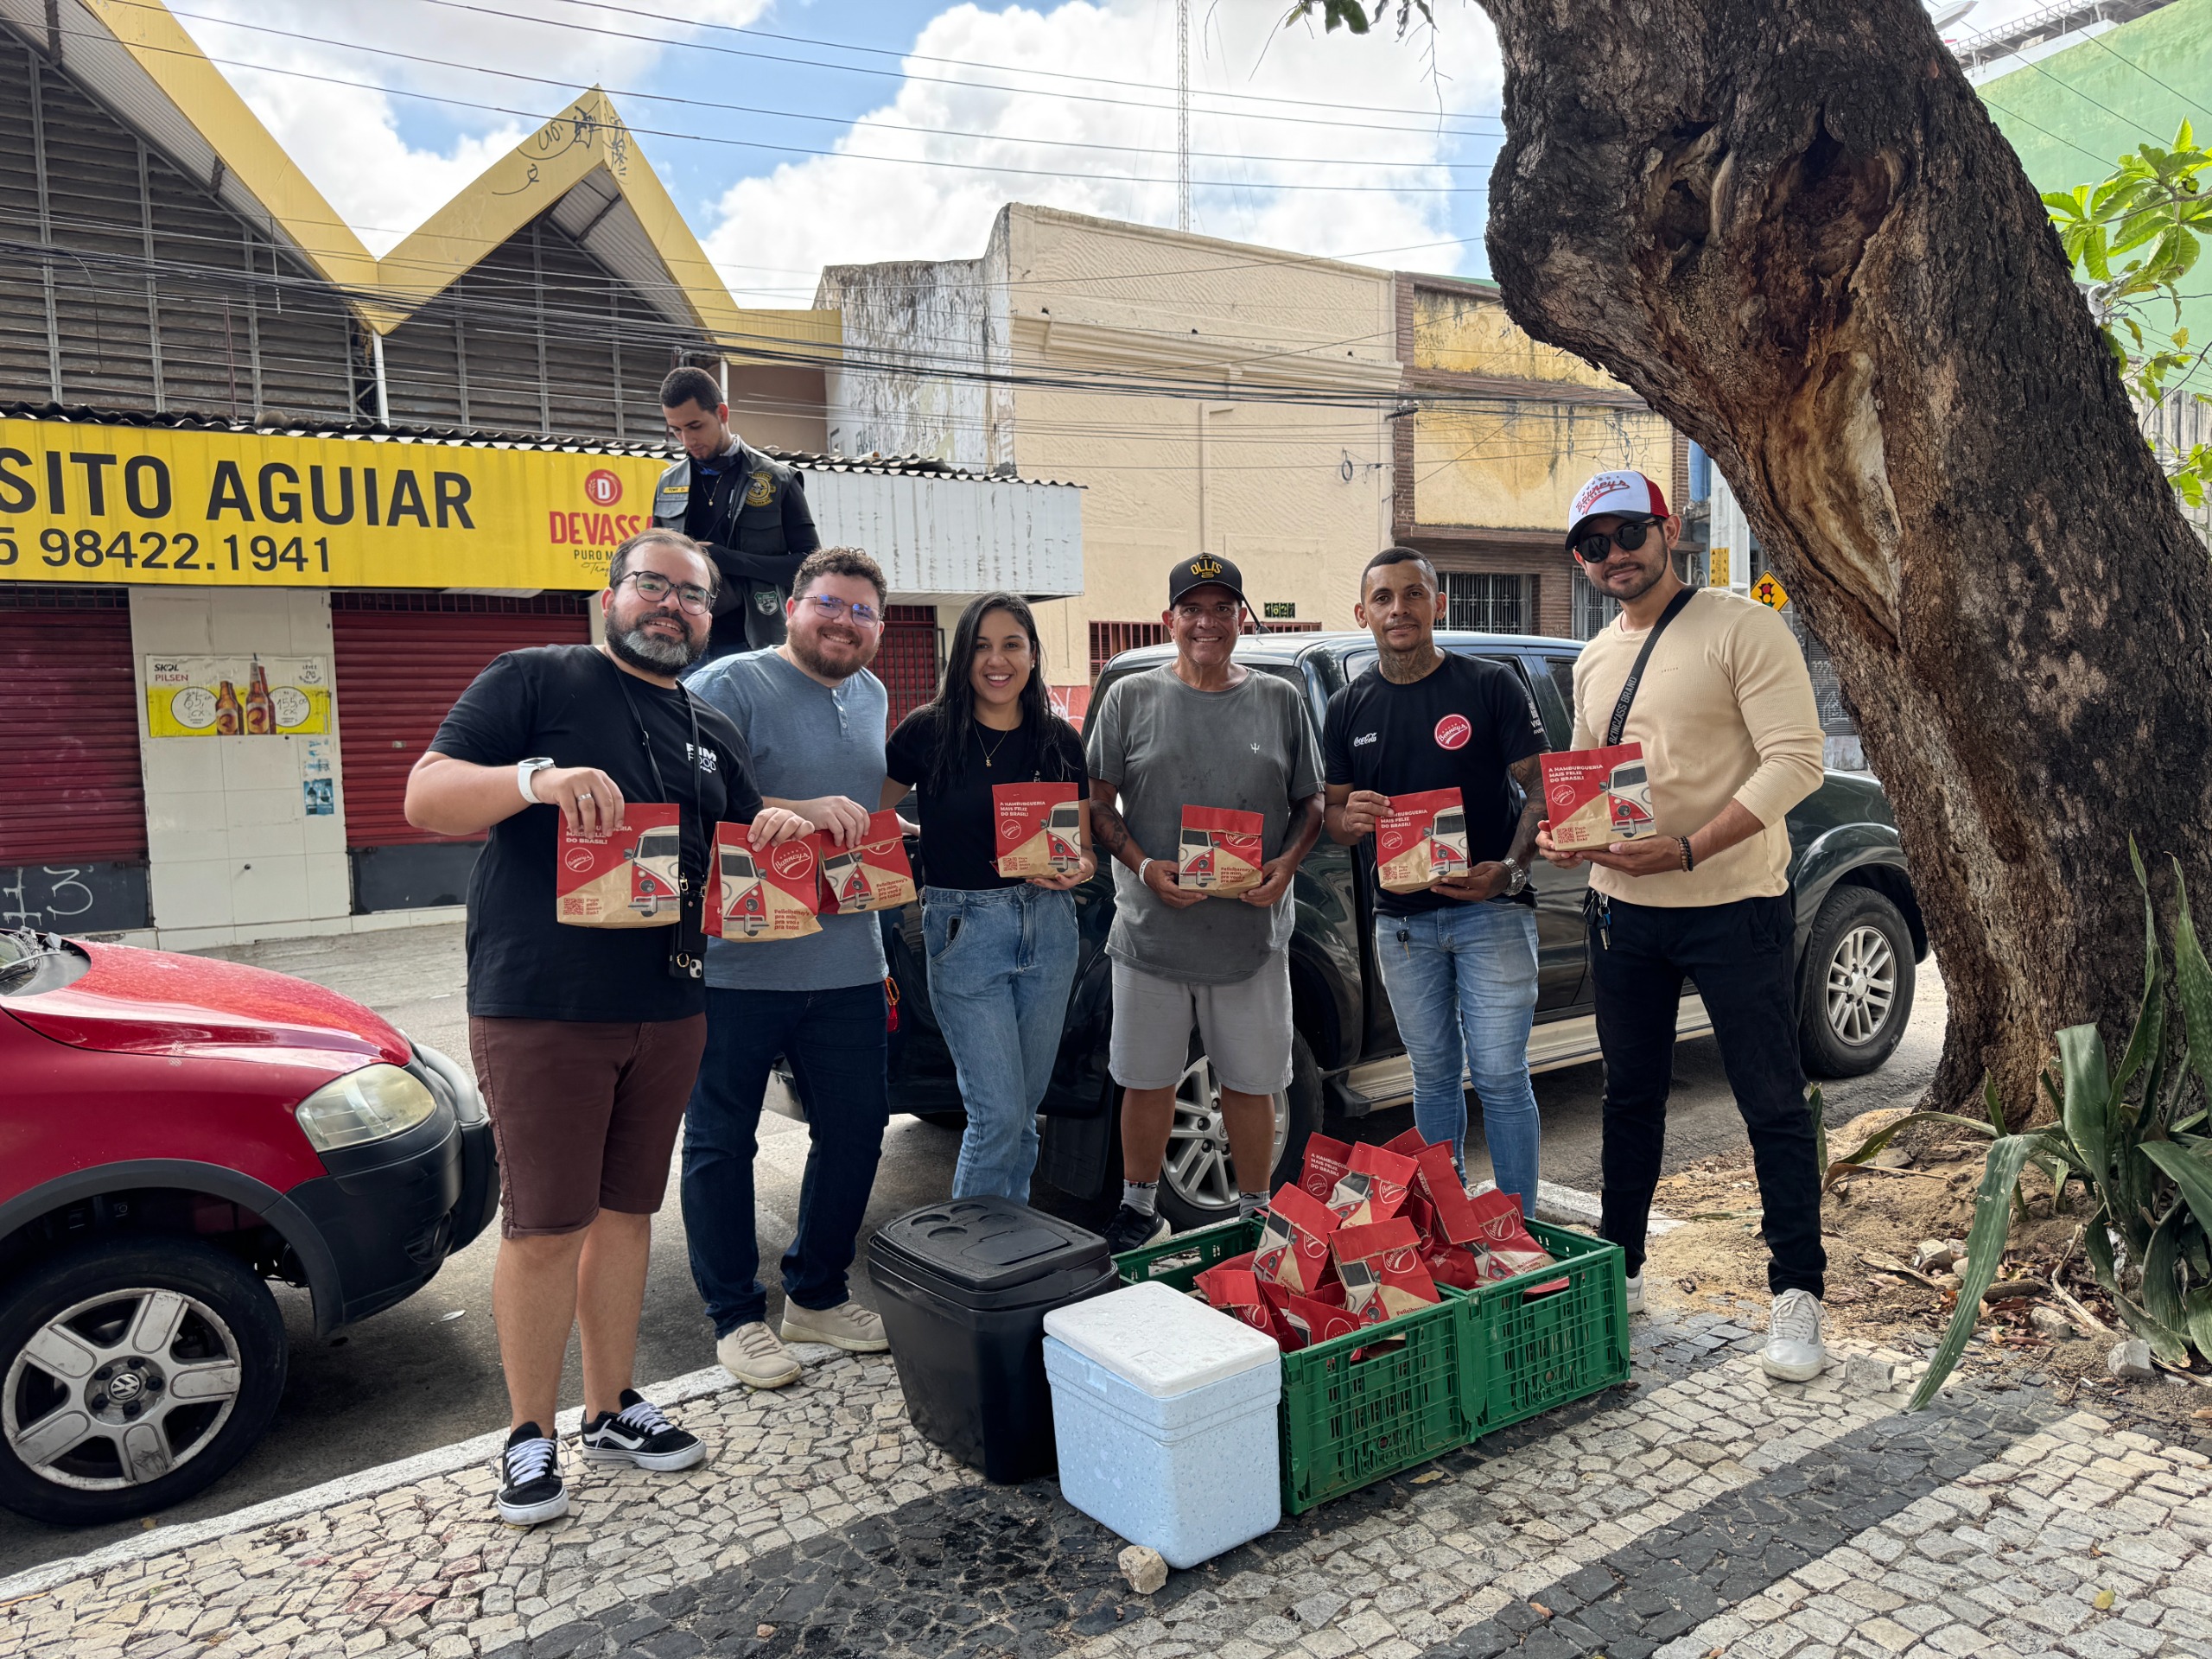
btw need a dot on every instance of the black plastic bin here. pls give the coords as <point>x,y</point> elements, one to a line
<point>963,1287</point>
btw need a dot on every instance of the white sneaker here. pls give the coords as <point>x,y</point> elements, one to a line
<point>848,1326</point>
<point>1636,1292</point>
<point>1793,1351</point>
<point>753,1356</point>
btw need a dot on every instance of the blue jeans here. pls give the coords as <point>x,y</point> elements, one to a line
<point>1463,984</point>
<point>1000,965</point>
<point>835,1040</point>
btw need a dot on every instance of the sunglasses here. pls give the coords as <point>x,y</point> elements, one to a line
<point>1596,547</point>
<point>695,600</point>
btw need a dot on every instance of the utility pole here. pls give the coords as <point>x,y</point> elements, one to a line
<point>1182,115</point>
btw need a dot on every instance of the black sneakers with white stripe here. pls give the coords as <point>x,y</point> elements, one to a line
<point>529,1478</point>
<point>640,1434</point>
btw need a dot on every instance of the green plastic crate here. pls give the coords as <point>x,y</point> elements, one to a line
<point>1476,1361</point>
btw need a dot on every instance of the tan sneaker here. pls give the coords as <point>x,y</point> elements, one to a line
<point>848,1326</point>
<point>753,1356</point>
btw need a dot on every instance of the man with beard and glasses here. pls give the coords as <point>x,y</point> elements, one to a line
<point>1458,958</point>
<point>586,1038</point>
<point>1724,707</point>
<point>815,719</point>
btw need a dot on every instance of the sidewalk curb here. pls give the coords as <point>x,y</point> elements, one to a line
<point>345,1488</point>
<point>1570,1206</point>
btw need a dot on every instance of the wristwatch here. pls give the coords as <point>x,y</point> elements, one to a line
<point>1516,877</point>
<point>526,773</point>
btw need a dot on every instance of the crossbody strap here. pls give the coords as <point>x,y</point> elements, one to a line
<point>1619,722</point>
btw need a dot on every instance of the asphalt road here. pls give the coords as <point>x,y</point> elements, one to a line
<point>426,1373</point>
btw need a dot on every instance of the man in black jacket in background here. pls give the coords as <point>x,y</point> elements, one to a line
<point>747,511</point>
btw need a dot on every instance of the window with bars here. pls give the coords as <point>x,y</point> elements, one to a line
<point>1592,610</point>
<point>907,657</point>
<point>1488,603</point>
<point>1109,639</point>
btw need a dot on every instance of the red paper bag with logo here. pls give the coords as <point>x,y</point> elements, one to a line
<point>620,878</point>
<point>1326,1163</point>
<point>1596,797</point>
<point>1420,839</point>
<point>1373,1187</point>
<point>1380,1268</point>
<point>1236,1291</point>
<point>1041,828</point>
<point>873,876</point>
<point>1505,1247</point>
<point>764,893</point>
<point>1303,1320</point>
<point>1293,1249</point>
<point>1220,850</point>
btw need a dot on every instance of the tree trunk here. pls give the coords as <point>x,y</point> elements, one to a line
<point>1792,227</point>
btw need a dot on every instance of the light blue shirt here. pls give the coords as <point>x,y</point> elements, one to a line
<point>807,740</point>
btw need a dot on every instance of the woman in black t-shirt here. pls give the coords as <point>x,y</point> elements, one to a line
<point>1001,949</point>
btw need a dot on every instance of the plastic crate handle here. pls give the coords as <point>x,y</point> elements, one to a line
<point>1474,1361</point>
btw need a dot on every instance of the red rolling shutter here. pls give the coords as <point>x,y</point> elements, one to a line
<point>905,658</point>
<point>404,659</point>
<point>70,783</point>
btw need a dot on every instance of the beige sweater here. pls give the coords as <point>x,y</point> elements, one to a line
<point>1725,711</point>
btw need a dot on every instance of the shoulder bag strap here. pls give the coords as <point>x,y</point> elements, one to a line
<point>1619,722</point>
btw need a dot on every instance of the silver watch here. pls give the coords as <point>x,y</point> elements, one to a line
<point>1516,877</point>
<point>527,772</point>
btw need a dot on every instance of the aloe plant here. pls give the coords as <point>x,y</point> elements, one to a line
<point>2134,1136</point>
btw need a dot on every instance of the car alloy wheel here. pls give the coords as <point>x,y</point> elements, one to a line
<point>1861,985</point>
<point>1197,1170</point>
<point>121,1389</point>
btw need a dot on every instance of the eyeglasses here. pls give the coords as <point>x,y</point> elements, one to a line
<point>829,608</point>
<point>1596,547</point>
<point>695,599</point>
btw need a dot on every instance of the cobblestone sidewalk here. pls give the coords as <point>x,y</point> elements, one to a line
<point>1704,1509</point>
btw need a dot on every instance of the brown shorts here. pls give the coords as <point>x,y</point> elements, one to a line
<point>584,1114</point>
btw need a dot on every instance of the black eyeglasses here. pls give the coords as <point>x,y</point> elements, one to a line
<point>1596,547</point>
<point>695,599</point>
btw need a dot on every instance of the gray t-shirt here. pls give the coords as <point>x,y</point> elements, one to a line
<point>1167,747</point>
<point>807,740</point>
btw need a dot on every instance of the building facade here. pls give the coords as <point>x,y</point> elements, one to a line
<point>267,502</point>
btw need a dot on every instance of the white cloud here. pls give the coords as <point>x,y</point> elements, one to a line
<point>348,139</point>
<point>850,209</point>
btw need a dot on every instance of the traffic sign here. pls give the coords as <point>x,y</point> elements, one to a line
<point>1768,592</point>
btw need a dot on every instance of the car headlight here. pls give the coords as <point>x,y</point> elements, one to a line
<point>369,1104</point>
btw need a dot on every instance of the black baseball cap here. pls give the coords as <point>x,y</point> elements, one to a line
<point>1205,570</point>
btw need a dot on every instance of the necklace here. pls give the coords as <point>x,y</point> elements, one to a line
<point>990,753</point>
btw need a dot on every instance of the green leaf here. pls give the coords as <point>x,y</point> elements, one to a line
<point>2197,1306</point>
<point>2096,1245</point>
<point>2192,986</point>
<point>2087,1107</point>
<point>1883,1136</point>
<point>1996,1106</point>
<point>2162,1286</point>
<point>2151,1015</point>
<point>1985,1249</point>
<point>2166,1345</point>
<point>2189,1172</point>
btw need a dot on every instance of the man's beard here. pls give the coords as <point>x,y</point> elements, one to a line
<point>814,663</point>
<point>653,653</point>
<point>1649,580</point>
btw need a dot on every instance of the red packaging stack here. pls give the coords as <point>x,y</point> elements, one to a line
<point>1367,1234</point>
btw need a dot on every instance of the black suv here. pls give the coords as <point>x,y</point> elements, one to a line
<point>1859,934</point>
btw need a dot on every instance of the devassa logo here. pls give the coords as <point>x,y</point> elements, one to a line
<point>601,487</point>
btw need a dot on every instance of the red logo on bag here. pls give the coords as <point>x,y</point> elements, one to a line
<point>578,859</point>
<point>792,859</point>
<point>1452,732</point>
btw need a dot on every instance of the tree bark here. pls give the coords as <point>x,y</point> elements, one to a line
<point>1792,227</point>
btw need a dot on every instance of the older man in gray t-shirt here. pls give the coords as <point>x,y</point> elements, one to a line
<point>1204,731</point>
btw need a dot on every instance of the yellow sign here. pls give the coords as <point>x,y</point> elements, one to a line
<point>1716,567</point>
<point>86,503</point>
<point>1768,592</point>
<point>236,697</point>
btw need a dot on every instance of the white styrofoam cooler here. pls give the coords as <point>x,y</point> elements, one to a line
<point>1165,1413</point>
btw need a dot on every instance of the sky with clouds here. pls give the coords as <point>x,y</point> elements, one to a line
<point>795,134</point>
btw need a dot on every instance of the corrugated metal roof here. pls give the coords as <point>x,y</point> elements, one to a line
<point>887,466</point>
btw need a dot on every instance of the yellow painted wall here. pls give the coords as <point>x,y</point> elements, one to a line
<point>1513,464</point>
<point>1104,298</point>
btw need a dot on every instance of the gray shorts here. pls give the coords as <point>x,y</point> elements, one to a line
<point>1244,1027</point>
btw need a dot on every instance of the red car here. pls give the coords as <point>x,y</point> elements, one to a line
<point>174,1132</point>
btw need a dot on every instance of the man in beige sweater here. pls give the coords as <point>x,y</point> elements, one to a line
<point>1731,741</point>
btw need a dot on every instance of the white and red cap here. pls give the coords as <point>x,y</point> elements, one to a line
<point>1629,495</point>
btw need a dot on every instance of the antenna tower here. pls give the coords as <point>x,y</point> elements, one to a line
<point>1182,115</point>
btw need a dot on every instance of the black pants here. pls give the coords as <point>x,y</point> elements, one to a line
<point>1742,956</point>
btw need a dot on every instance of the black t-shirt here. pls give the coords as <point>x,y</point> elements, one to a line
<point>959,826</point>
<point>699,505</point>
<point>567,702</point>
<point>1458,727</point>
